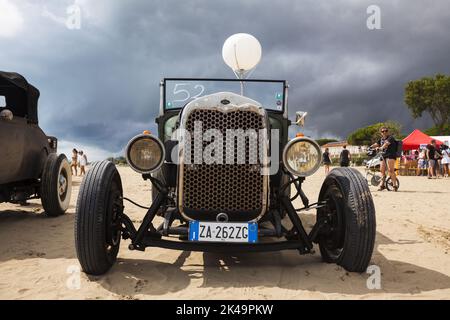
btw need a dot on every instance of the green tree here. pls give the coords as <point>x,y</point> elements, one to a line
<point>324,141</point>
<point>431,95</point>
<point>368,135</point>
<point>435,131</point>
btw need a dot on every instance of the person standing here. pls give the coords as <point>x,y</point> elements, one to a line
<point>422,163</point>
<point>83,163</point>
<point>445,162</point>
<point>438,157</point>
<point>388,144</point>
<point>74,163</point>
<point>326,160</point>
<point>432,156</point>
<point>345,157</point>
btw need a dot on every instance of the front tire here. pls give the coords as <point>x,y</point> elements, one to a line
<point>97,220</point>
<point>56,185</point>
<point>390,185</point>
<point>349,237</point>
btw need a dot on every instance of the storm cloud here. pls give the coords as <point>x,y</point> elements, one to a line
<point>100,84</point>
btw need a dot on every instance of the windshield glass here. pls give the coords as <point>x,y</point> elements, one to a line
<point>179,92</point>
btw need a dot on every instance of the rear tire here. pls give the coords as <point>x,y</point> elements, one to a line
<point>56,185</point>
<point>97,220</point>
<point>350,235</point>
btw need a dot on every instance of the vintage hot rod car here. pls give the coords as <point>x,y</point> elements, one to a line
<point>29,165</point>
<point>225,177</point>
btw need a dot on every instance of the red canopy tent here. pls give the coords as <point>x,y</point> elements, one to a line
<point>417,138</point>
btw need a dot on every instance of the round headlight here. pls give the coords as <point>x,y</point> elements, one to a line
<point>145,153</point>
<point>302,157</point>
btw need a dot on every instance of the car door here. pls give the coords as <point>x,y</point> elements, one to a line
<point>12,146</point>
<point>35,152</point>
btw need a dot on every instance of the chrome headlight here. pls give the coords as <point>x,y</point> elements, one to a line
<point>145,153</point>
<point>302,157</point>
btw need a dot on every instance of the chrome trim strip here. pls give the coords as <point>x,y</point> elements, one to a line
<point>161,98</point>
<point>286,95</point>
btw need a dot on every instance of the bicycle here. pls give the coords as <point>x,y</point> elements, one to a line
<point>373,175</point>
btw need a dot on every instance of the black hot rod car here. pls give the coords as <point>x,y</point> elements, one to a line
<point>225,177</point>
<point>29,165</point>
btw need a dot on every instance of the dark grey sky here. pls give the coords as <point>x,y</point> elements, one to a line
<point>99,84</point>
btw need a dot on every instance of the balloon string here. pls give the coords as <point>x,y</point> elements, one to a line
<point>235,57</point>
<point>251,72</point>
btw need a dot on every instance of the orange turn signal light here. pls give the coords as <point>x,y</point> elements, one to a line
<point>299,134</point>
<point>147,132</point>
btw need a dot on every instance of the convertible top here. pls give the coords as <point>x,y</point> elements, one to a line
<point>21,97</point>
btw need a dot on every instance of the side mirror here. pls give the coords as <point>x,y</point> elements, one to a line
<point>300,117</point>
<point>6,115</point>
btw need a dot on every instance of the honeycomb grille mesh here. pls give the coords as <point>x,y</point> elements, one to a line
<point>224,187</point>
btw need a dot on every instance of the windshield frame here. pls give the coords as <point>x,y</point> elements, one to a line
<point>163,108</point>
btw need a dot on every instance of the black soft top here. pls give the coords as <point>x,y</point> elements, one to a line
<point>21,97</point>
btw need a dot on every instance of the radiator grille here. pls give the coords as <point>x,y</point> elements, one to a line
<point>229,188</point>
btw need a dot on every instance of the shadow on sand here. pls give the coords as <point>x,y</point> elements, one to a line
<point>423,191</point>
<point>287,270</point>
<point>47,238</point>
<point>31,233</point>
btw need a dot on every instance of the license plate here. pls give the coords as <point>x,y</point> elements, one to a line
<point>223,232</point>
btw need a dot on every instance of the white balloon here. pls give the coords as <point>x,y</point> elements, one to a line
<point>242,52</point>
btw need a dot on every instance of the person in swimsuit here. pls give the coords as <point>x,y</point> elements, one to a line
<point>74,163</point>
<point>83,163</point>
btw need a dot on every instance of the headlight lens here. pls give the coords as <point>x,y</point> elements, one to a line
<point>302,157</point>
<point>145,153</point>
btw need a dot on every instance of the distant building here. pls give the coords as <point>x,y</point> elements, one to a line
<point>335,148</point>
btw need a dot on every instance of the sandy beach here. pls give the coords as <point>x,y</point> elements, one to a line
<point>37,256</point>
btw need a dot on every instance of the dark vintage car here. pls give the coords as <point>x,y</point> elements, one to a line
<point>225,177</point>
<point>29,165</point>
